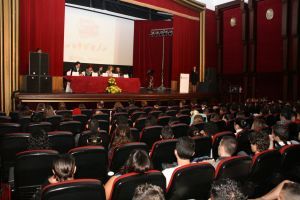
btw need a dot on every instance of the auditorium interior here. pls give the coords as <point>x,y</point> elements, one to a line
<point>149,100</point>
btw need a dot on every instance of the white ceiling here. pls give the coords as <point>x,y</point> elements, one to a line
<point>210,4</point>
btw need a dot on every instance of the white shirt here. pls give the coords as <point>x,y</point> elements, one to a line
<point>168,174</point>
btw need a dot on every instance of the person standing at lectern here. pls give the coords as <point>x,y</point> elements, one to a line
<point>194,78</point>
<point>77,68</point>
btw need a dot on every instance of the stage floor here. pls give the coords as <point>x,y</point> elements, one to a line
<point>142,95</point>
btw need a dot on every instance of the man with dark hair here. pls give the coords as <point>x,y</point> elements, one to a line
<point>259,141</point>
<point>150,121</point>
<point>76,68</point>
<point>166,133</point>
<point>185,149</point>
<point>209,129</point>
<point>96,137</point>
<point>285,116</point>
<point>226,189</point>
<point>226,149</point>
<point>280,136</point>
<point>148,192</point>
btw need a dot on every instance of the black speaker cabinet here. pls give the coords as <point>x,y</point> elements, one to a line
<point>38,84</point>
<point>38,63</point>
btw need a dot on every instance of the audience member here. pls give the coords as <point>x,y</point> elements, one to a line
<point>100,105</point>
<point>166,133</point>
<point>96,137</point>
<point>285,116</point>
<point>226,189</point>
<point>259,142</point>
<point>185,149</point>
<point>150,121</point>
<point>61,106</point>
<point>49,111</point>
<point>38,140</point>
<point>148,192</point>
<point>40,107</point>
<point>76,111</point>
<point>118,105</point>
<point>209,129</point>
<point>144,103</point>
<point>173,120</point>
<point>37,117</point>
<point>193,131</point>
<point>81,106</point>
<point>258,124</point>
<point>138,162</point>
<point>122,136</point>
<point>239,125</point>
<point>280,136</point>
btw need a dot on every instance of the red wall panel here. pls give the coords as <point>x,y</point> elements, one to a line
<point>269,39</point>
<point>232,42</point>
<point>210,39</point>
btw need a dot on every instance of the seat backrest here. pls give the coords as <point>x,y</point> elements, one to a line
<point>136,114</point>
<point>5,119</point>
<point>171,112</point>
<point>125,185</point>
<point>10,128</point>
<point>147,109</point>
<point>79,189</point>
<point>135,134</point>
<point>264,165</point>
<point>151,134</point>
<point>221,124</point>
<point>185,111</point>
<point>191,181</point>
<point>140,123</point>
<point>186,119</point>
<point>87,112</point>
<point>163,120</point>
<point>199,126</point>
<point>103,116</point>
<point>236,168</point>
<point>33,167</point>
<point>61,141</point>
<point>155,113</point>
<point>63,112</point>
<point>71,126</point>
<point>54,120</point>
<point>85,135</point>
<point>290,158</point>
<point>11,144</point>
<point>91,162</point>
<point>24,122</point>
<point>46,126</point>
<point>82,118</point>
<point>294,129</point>
<point>122,152</point>
<point>179,129</point>
<point>162,152</point>
<point>118,114</point>
<point>216,139</point>
<point>104,125</point>
<point>163,108</point>
<point>203,146</point>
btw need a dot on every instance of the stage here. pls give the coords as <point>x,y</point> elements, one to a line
<point>142,95</point>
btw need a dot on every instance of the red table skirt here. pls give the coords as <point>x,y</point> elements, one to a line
<point>88,84</point>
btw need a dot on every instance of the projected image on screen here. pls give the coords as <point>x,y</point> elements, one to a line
<point>92,37</point>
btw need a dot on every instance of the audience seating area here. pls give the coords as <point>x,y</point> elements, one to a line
<point>26,170</point>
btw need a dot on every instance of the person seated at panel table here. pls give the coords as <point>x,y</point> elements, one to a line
<point>100,71</point>
<point>77,68</point>
<point>110,70</point>
<point>118,71</point>
<point>89,70</point>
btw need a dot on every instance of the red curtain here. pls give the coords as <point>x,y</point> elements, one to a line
<point>186,44</point>
<point>148,52</point>
<point>42,26</point>
<point>210,39</point>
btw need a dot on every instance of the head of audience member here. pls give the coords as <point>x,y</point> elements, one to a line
<point>226,189</point>
<point>131,103</point>
<point>93,125</point>
<point>240,115</point>
<point>150,121</point>
<point>209,129</point>
<point>173,120</point>
<point>227,146</point>
<point>166,133</point>
<point>122,121</point>
<point>100,105</point>
<point>259,141</point>
<point>214,117</point>
<point>185,150</point>
<point>38,140</point>
<point>285,114</point>
<point>67,116</point>
<point>63,168</point>
<point>290,191</point>
<point>40,107</point>
<point>138,161</point>
<point>240,124</point>
<point>258,124</point>
<point>197,119</point>
<point>223,111</point>
<point>61,106</point>
<point>280,133</point>
<point>193,131</point>
<point>49,111</point>
<point>77,64</point>
<point>94,138</point>
<point>118,105</point>
<point>23,110</point>
<point>182,103</point>
<point>144,103</point>
<point>148,192</point>
<point>122,136</point>
<point>81,106</point>
<point>37,117</point>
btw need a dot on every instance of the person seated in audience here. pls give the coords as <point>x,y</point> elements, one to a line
<point>259,142</point>
<point>258,124</point>
<point>40,107</point>
<point>148,192</point>
<point>96,137</point>
<point>110,70</point>
<point>131,105</point>
<point>100,105</point>
<point>182,103</point>
<point>150,121</point>
<point>223,111</point>
<point>226,149</point>
<point>122,136</point>
<point>226,189</point>
<point>286,190</point>
<point>23,111</point>
<point>118,106</point>
<point>285,116</point>
<point>62,106</point>
<point>214,117</point>
<point>38,140</point>
<point>296,116</point>
<point>194,113</point>
<point>173,120</point>
<point>37,117</point>
<point>166,133</point>
<point>67,117</point>
<point>209,129</point>
<point>89,70</point>
<point>184,151</point>
<point>144,103</point>
<point>198,119</point>
<point>76,111</point>
<point>193,131</point>
<point>239,125</point>
<point>138,161</point>
<point>81,106</point>
<point>280,137</point>
<point>49,111</point>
